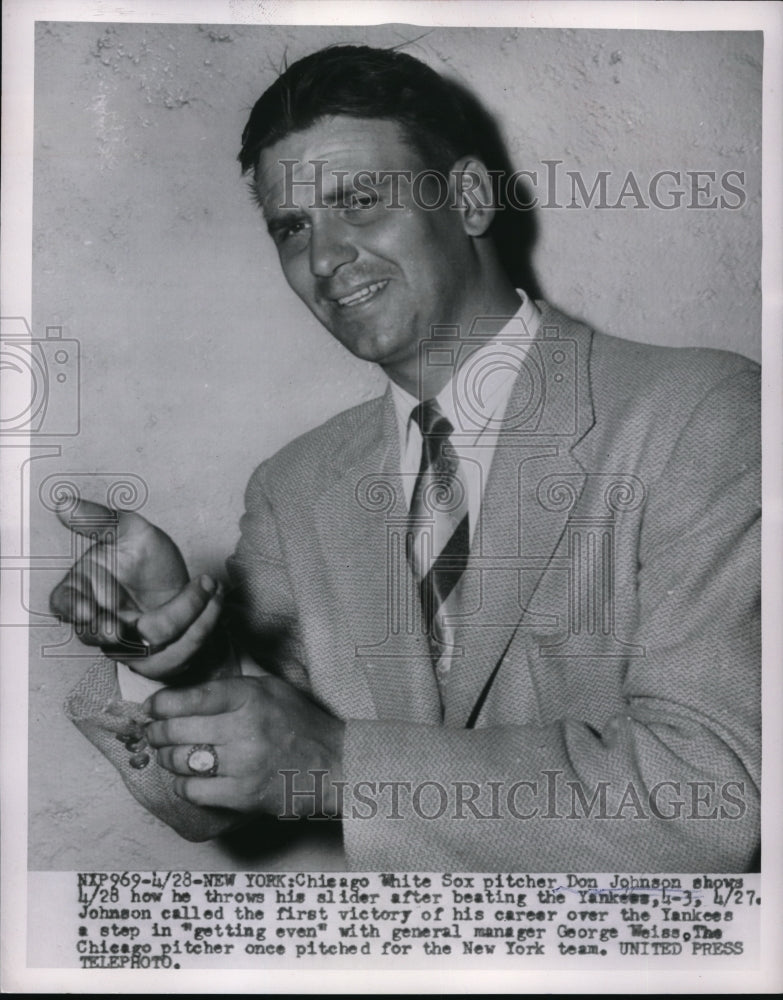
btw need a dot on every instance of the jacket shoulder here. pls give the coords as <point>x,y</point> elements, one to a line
<point>625,369</point>
<point>680,373</point>
<point>316,458</point>
<point>647,399</point>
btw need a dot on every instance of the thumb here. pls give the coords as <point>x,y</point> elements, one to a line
<point>100,523</point>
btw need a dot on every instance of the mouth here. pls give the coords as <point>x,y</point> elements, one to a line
<point>361,295</point>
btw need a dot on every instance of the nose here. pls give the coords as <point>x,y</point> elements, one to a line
<point>330,245</point>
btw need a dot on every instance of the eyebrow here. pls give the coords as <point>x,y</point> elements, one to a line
<point>347,187</point>
<point>329,199</point>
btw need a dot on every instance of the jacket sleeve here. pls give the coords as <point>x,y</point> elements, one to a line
<point>116,728</point>
<point>261,610</point>
<point>670,782</point>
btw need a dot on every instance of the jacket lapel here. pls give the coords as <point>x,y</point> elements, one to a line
<point>380,654</point>
<point>533,485</point>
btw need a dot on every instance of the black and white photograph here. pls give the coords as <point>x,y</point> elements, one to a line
<point>382,443</point>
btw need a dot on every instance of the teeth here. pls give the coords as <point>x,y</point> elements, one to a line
<point>362,294</point>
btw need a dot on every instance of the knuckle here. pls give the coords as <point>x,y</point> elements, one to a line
<point>157,703</point>
<point>247,761</point>
<point>250,789</point>
<point>156,734</point>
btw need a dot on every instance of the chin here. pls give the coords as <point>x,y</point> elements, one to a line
<point>379,348</point>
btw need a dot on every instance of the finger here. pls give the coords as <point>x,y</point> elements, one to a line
<point>169,622</point>
<point>175,658</point>
<point>100,628</point>
<point>69,602</point>
<point>126,644</point>
<point>229,762</point>
<point>85,517</point>
<point>219,792</point>
<point>101,523</point>
<point>190,729</point>
<point>90,585</point>
<point>214,698</point>
<point>73,601</point>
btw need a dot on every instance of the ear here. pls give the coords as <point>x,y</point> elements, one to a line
<point>473,194</point>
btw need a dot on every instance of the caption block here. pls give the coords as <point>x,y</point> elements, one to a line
<point>183,920</point>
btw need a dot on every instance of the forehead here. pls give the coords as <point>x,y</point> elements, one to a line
<point>345,146</point>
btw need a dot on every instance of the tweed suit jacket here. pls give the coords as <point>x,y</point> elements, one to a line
<point>602,711</point>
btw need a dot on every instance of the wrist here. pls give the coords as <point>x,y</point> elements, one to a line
<point>215,658</point>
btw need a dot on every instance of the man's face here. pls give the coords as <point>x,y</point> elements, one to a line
<point>369,259</point>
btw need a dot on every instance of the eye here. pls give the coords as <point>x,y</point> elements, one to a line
<point>288,231</point>
<point>360,200</point>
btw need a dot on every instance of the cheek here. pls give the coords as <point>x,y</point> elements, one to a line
<point>296,272</point>
<point>424,246</point>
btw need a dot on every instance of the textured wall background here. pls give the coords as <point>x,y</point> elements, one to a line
<point>198,362</point>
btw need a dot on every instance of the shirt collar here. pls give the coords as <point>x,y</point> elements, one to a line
<point>477,394</point>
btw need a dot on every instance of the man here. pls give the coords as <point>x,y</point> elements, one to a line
<point>503,617</point>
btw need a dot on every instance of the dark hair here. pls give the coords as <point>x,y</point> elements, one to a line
<point>364,82</point>
<point>440,118</point>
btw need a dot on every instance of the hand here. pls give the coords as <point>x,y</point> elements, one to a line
<point>131,589</point>
<point>259,726</point>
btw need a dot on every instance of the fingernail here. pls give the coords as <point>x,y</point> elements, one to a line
<point>207,584</point>
<point>147,706</point>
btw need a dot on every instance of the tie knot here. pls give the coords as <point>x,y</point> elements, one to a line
<point>431,421</point>
<point>437,450</point>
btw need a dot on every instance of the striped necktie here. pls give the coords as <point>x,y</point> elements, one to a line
<point>438,538</point>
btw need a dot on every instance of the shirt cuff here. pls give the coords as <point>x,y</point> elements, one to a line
<point>137,688</point>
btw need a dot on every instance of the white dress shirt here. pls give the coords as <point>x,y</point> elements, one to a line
<point>474,400</point>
